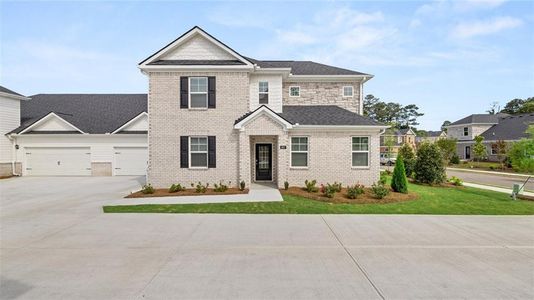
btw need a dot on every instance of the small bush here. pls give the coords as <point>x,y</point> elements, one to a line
<point>379,191</point>
<point>147,189</point>
<point>176,188</point>
<point>429,167</point>
<point>408,156</point>
<point>354,191</point>
<point>242,185</point>
<point>456,181</point>
<point>383,178</point>
<point>399,183</point>
<point>337,186</point>
<point>286,185</point>
<point>329,190</point>
<point>221,187</point>
<point>492,167</point>
<point>310,186</point>
<point>455,159</point>
<point>200,188</point>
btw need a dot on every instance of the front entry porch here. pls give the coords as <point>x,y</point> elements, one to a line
<point>263,158</point>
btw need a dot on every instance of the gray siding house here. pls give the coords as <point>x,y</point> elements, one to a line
<point>216,115</point>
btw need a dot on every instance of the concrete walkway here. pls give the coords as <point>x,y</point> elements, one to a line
<point>264,192</point>
<point>496,189</point>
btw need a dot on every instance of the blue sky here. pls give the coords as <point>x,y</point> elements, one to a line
<point>451,58</point>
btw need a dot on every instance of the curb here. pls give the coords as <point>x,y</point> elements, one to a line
<point>490,172</point>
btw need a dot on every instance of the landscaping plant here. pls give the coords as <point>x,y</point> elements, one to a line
<point>456,181</point>
<point>199,188</point>
<point>329,190</point>
<point>221,187</point>
<point>447,148</point>
<point>148,189</point>
<point>310,186</point>
<point>522,153</point>
<point>286,185</point>
<point>379,190</point>
<point>429,166</point>
<point>408,156</point>
<point>337,186</point>
<point>399,183</point>
<point>242,185</point>
<point>479,149</point>
<point>455,159</point>
<point>176,188</point>
<point>384,177</point>
<point>501,150</point>
<point>354,191</point>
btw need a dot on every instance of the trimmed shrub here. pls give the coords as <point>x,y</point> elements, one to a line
<point>337,186</point>
<point>242,185</point>
<point>383,178</point>
<point>329,190</point>
<point>354,191</point>
<point>200,188</point>
<point>147,189</point>
<point>176,188</point>
<point>399,183</point>
<point>310,186</point>
<point>456,181</point>
<point>408,156</point>
<point>429,166</point>
<point>286,185</point>
<point>379,191</point>
<point>455,159</point>
<point>220,188</point>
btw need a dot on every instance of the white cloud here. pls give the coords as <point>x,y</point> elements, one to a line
<point>477,28</point>
<point>478,4</point>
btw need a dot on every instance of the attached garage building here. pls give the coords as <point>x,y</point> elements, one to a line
<point>82,135</point>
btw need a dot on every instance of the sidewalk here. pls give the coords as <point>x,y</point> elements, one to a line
<point>496,189</point>
<point>257,193</point>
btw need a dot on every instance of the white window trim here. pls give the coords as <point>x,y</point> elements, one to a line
<point>343,91</point>
<point>360,151</point>
<point>191,151</point>
<point>198,93</point>
<point>464,131</point>
<point>267,93</point>
<point>291,152</point>
<point>294,86</point>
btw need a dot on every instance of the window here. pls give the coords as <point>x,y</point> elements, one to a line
<point>299,152</point>
<point>360,151</point>
<point>294,91</point>
<point>198,153</point>
<point>466,131</point>
<point>348,91</point>
<point>264,92</point>
<point>198,92</point>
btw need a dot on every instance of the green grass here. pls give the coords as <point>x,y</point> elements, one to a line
<point>431,200</point>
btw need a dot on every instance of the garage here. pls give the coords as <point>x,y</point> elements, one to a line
<point>58,161</point>
<point>131,160</point>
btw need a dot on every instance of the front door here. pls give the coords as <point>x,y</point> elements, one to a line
<point>264,162</point>
<point>468,152</point>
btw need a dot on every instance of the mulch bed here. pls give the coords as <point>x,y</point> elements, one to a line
<point>341,197</point>
<point>187,192</point>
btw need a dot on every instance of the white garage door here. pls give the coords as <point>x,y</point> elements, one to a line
<point>131,160</point>
<point>60,161</point>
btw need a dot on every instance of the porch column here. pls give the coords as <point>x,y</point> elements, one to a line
<point>283,158</point>
<point>244,158</point>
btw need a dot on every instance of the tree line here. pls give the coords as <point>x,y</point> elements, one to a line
<point>391,113</point>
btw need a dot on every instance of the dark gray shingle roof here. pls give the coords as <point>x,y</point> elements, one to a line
<point>433,133</point>
<point>304,67</point>
<point>320,115</point>
<point>509,128</point>
<point>91,113</point>
<point>479,118</point>
<point>193,62</point>
<point>8,91</point>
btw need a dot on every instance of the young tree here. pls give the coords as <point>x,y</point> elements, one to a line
<point>501,149</point>
<point>388,143</point>
<point>408,157</point>
<point>399,183</point>
<point>522,153</point>
<point>479,149</point>
<point>429,166</point>
<point>447,148</point>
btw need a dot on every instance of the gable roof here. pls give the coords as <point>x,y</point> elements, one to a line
<point>434,133</point>
<point>12,94</point>
<point>305,67</point>
<point>479,119</point>
<point>90,113</point>
<point>509,128</point>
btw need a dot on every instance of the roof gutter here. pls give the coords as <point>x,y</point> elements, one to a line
<point>8,95</point>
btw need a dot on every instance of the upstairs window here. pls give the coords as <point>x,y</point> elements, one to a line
<point>264,92</point>
<point>466,131</point>
<point>360,151</point>
<point>198,92</point>
<point>294,91</point>
<point>348,91</point>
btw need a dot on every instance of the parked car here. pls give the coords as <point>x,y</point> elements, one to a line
<point>387,159</point>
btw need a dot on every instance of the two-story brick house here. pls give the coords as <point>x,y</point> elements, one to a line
<point>217,115</point>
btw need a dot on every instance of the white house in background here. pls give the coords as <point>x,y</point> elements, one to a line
<point>9,119</point>
<point>81,135</point>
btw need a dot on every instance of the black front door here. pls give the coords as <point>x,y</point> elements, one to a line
<point>467,152</point>
<point>264,161</point>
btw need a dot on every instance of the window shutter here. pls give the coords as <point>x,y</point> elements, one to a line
<point>211,92</point>
<point>212,152</point>
<point>184,92</point>
<point>184,152</point>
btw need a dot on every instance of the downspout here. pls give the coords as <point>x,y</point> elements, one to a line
<point>13,154</point>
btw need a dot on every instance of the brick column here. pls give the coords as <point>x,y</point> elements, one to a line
<point>244,158</point>
<point>283,158</point>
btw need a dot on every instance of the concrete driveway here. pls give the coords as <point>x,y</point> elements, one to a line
<point>57,243</point>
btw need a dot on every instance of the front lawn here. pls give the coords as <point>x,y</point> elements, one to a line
<point>431,200</point>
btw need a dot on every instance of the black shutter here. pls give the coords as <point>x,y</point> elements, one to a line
<point>184,152</point>
<point>212,152</point>
<point>184,92</point>
<point>211,92</point>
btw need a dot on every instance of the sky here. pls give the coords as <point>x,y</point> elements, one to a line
<point>450,58</point>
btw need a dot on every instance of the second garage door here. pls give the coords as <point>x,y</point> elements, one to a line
<point>58,161</point>
<point>131,160</point>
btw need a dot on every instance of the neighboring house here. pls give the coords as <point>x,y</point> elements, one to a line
<point>396,138</point>
<point>431,136</point>
<point>508,128</point>
<point>216,115</point>
<point>9,119</point>
<point>82,135</point>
